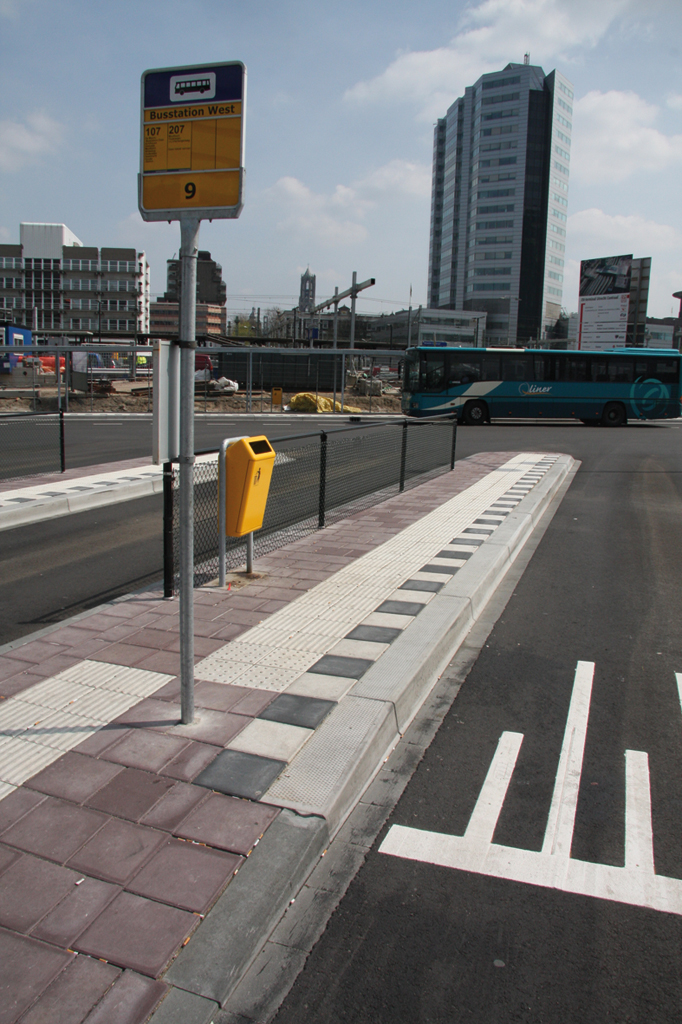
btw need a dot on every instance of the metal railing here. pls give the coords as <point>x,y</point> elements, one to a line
<point>328,477</point>
<point>31,443</point>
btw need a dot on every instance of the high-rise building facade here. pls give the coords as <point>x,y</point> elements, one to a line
<point>499,202</point>
<point>211,288</point>
<point>51,282</point>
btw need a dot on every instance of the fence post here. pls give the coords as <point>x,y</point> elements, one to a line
<point>62,447</point>
<point>323,481</point>
<point>454,443</point>
<point>403,456</point>
<point>168,566</point>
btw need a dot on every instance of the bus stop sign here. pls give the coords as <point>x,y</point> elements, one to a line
<point>192,142</point>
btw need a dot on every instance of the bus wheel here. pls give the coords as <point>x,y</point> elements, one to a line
<point>475,413</point>
<point>613,415</point>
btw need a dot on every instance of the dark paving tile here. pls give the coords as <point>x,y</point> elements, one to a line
<point>185,875</point>
<point>131,794</point>
<point>227,823</point>
<point>99,741</point>
<point>76,912</point>
<point>7,857</point>
<point>218,696</point>
<point>336,665</point>
<point>169,691</point>
<point>122,654</point>
<point>187,765</point>
<point>27,967</point>
<point>374,634</point>
<point>444,570</point>
<point>450,554</point>
<point>118,851</point>
<point>151,714</point>
<point>73,777</point>
<point>239,774</point>
<point>480,530</point>
<point>175,806</point>
<point>142,748</point>
<point>466,540</point>
<point>54,830</point>
<point>16,805</point>
<point>137,933</point>
<point>30,888</point>
<point>460,554</point>
<point>253,703</point>
<point>130,1001</point>
<point>426,586</point>
<point>400,607</point>
<point>217,727</point>
<point>295,710</point>
<point>161,661</point>
<point>487,522</point>
<point>73,994</point>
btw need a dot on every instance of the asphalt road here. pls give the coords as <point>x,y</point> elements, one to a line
<point>90,440</point>
<point>424,944</point>
<point>56,569</point>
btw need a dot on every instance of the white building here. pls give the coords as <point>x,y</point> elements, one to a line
<point>53,283</point>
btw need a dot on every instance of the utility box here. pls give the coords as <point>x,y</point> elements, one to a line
<point>248,471</point>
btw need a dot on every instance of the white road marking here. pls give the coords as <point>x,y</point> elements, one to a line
<point>636,883</point>
<point>639,839</point>
<point>559,831</point>
<point>489,804</point>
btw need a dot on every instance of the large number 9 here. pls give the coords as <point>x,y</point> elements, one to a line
<point>190,190</point>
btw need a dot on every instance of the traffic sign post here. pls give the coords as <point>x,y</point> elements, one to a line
<point>191,169</point>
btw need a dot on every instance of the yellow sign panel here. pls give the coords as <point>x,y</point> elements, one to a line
<point>192,152</point>
<point>204,145</point>
<point>190,191</point>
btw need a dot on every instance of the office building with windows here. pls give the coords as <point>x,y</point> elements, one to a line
<point>499,202</point>
<point>211,288</point>
<point>52,283</point>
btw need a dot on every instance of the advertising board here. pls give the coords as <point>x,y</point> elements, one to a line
<point>604,301</point>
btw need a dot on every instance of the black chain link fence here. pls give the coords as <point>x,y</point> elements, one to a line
<point>31,443</point>
<point>328,477</point>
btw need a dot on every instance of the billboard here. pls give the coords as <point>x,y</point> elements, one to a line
<point>605,285</point>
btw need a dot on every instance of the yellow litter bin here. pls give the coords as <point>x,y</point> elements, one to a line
<point>248,471</point>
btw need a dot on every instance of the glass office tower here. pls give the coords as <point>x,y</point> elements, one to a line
<point>499,202</point>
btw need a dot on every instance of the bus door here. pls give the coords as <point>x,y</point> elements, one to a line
<point>517,375</point>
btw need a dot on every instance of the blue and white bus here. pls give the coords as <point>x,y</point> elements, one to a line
<point>480,384</point>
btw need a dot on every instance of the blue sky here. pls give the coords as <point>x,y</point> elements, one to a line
<point>342,97</point>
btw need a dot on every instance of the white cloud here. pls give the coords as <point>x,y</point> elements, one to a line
<point>491,34</point>
<point>338,218</point>
<point>21,143</point>
<point>614,136</point>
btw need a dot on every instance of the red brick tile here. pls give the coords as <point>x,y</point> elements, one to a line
<point>28,967</point>
<point>37,650</point>
<point>226,632</point>
<point>129,1001</point>
<point>157,639</point>
<point>15,684</point>
<point>10,667</point>
<point>122,654</point>
<point>73,993</point>
<point>161,661</point>
<point>54,665</point>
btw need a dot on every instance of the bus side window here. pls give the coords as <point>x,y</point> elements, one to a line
<point>598,370</point>
<point>517,367</point>
<point>463,371</point>
<point>665,370</point>
<point>620,370</point>
<point>491,367</point>
<point>543,368</point>
<point>576,369</point>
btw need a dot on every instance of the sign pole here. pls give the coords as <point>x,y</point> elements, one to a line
<point>189,247</point>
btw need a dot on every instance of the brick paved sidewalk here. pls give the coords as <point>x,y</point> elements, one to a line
<point>110,855</point>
